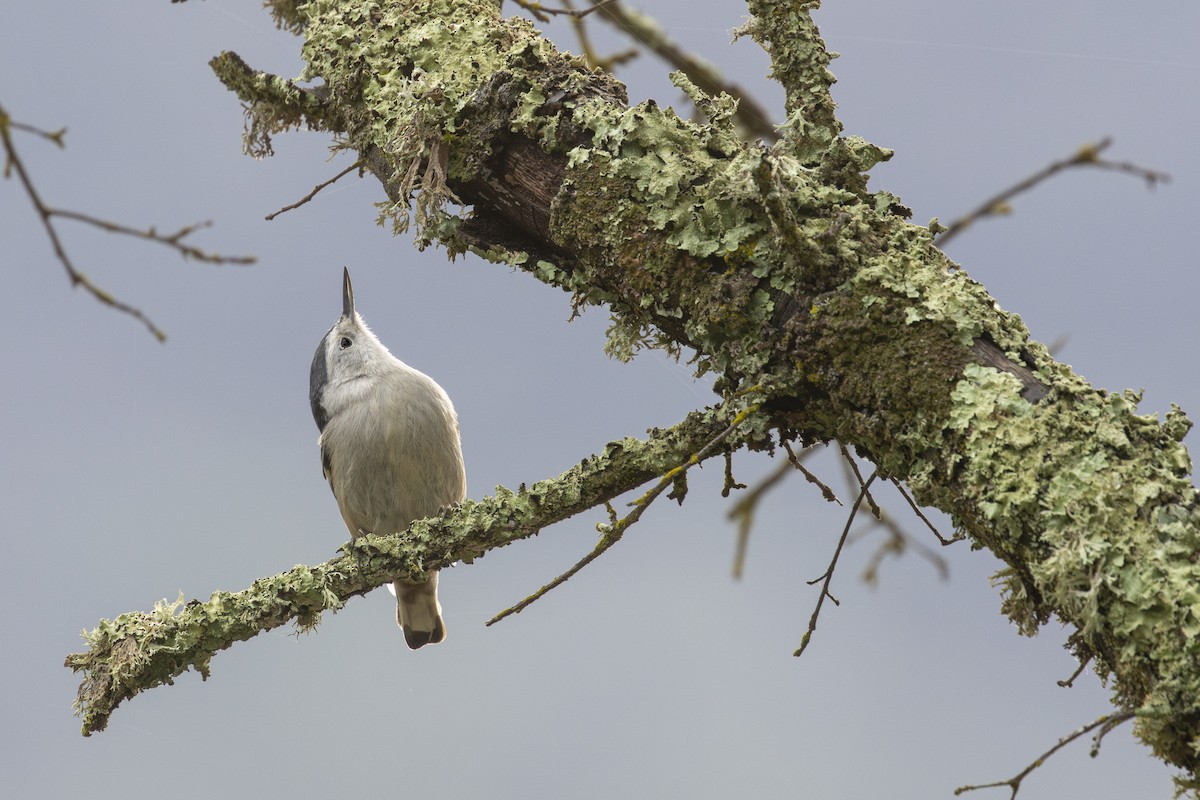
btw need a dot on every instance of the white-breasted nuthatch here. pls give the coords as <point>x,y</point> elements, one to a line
<point>389,448</point>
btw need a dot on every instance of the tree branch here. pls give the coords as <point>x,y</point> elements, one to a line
<point>47,214</point>
<point>1086,156</point>
<point>1105,723</point>
<point>800,62</point>
<point>779,268</point>
<point>827,577</point>
<point>612,531</point>
<point>141,650</point>
<point>272,104</point>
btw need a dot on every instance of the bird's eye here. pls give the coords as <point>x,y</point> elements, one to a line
<point>345,342</point>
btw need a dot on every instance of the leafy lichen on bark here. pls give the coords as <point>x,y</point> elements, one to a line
<point>1096,502</point>
<point>1089,503</point>
<point>413,71</point>
<point>273,104</point>
<point>780,268</point>
<point>710,237</point>
<point>800,62</point>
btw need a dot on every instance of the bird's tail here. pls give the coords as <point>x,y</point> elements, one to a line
<point>419,613</point>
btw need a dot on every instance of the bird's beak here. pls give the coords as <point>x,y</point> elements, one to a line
<point>347,294</point>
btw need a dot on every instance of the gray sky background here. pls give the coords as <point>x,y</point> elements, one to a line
<point>134,471</point>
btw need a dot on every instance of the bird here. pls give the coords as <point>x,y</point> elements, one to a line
<point>390,449</point>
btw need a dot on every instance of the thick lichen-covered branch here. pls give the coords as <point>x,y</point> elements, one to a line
<point>141,650</point>
<point>779,268</point>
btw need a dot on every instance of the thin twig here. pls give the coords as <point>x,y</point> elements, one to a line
<point>826,492</point>
<point>47,214</point>
<point>542,14</point>
<point>1086,156</point>
<point>77,277</point>
<point>1070,682</point>
<point>173,240</point>
<point>875,510</point>
<point>753,117</point>
<point>731,483</point>
<point>957,537</point>
<point>614,529</point>
<point>1106,723</point>
<point>1105,729</point>
<point>313,193</point>
<point>898,540</point>
<point>54,136</point>
<point>828,576</point>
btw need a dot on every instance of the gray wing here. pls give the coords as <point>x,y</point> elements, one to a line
<point>327,465</point>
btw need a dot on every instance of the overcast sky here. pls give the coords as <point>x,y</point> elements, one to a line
<point>135,471</point>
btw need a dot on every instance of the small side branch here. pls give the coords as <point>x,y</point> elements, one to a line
<point>895,545</point>
<point>800,62</point>
<point>1070,682</point>
<point>826,492</point>
<point>613,530</point>
<point>828,575</point>
<point>898,541</point>
<point>852,467</point>
<point>272,104</point>
<point>944,541</point>
<point>1105,724</point>
<point>173,240</point>
<point>315,190</point>
<point>58,137</point>
<point>1086,156</point>
<point>47,214</point>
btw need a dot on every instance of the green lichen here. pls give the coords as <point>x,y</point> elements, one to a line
<point>412,70</point>
<point>915,272</point>
<point>273,104</point>
<point>781,270</point>
<point>654,151</point>
<point>1095,501</point>
<point>138,651</point>
<point>800,62</point>
<point>681,201</point>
